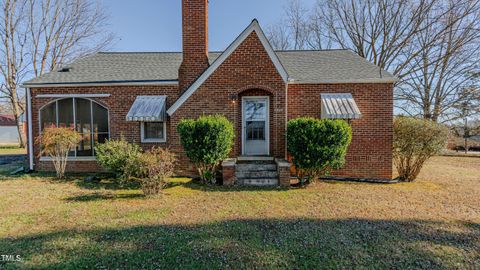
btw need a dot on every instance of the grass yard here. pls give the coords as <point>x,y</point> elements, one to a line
<point>12,150</point>
<point>433,223</point>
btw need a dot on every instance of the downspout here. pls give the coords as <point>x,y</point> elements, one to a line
<point>30,132</point>
<point>289,80</point>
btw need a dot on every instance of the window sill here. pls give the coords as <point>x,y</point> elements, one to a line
<point>71,159</point>
<point>153,141</point>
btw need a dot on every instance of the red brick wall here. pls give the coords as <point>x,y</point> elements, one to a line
<point>249,68</point>
<point>249,72</point>
<point>119,103</point>
<point>195,41</point>
<point>369,154</point>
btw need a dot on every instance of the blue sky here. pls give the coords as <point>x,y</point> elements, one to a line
<point>155,25</point>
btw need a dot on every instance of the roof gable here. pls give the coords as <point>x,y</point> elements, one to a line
<point>253,27</point>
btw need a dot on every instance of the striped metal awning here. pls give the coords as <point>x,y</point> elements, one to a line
<point>148,109</point>
<point>339,106</point>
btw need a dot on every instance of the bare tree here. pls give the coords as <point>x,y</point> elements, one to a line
<point>5,108</point>
<point>13,54</point>
<point>279,37</point>
<point>430,45</point>
<point>39,36</point>
<point>441,76</point>
<point>319,37</point>
<point>292,32</point>
<point>62,30</point>
<point>378,30</point>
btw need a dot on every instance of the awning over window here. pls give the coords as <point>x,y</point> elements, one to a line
<point>148,109</point>
<point>339,106</point>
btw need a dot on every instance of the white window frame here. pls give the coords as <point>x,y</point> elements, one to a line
<point>142,133</point>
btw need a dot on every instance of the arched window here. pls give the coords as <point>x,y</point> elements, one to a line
<point>87,117</point>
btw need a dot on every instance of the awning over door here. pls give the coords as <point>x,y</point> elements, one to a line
<point>339,106</point>
<point>148,109</point>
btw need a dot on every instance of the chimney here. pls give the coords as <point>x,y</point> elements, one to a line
<point>195,41</point>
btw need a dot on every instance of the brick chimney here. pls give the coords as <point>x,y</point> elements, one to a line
<point>195,41</point>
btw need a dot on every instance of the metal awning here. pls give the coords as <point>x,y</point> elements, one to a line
<point>339,106</point>
<point>148,109</point>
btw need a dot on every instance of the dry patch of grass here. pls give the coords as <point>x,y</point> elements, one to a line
<point>12,150</point>
<point>431,223</point>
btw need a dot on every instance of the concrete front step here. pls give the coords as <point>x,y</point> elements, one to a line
<point>256,171</point>
<point>258,182</point>
<point>256,174</point>
<point>255,158</point>
<point>255,167</point>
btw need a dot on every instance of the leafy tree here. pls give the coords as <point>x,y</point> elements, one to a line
<point>206,141</point>
<point>415,141</point>
<point>317,145</point>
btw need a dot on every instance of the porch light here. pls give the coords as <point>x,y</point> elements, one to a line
<point>233,97</point>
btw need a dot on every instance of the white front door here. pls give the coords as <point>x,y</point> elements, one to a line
<point>255,126</point>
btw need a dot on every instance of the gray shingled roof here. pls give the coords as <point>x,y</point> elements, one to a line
<point>328,66</point>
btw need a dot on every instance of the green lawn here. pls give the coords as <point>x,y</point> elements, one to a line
<point>12,150</point>
<point>431,223</point>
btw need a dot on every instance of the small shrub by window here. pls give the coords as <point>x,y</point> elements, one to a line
<point>317,145</point>
<point>415,141</point>
<point>154,167</point>
<point>57,143</point>
<point>206,141</point>
<point>114,156</point>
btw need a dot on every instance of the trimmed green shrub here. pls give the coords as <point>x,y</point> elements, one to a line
<point>154,167</point>
<point>57,143</point>
<point>414,142</point>
<point>115,156</point>
<point>317,145</point>
<point>206,141</point>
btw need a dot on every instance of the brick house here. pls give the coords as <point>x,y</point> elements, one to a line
<point>143,96</point>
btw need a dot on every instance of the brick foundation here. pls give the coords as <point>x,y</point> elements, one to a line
<point>283,168</point>
<point>228,172</point>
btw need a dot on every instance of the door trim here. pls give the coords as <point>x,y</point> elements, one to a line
<point>267,121</point>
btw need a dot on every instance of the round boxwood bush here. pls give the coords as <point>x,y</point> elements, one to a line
<point>206,141</point>
<point>317,145</point>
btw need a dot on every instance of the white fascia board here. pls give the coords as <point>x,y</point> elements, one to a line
<point>373,80</point>
<point>253,27</point>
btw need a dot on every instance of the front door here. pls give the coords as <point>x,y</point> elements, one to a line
<point>255,125</point>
